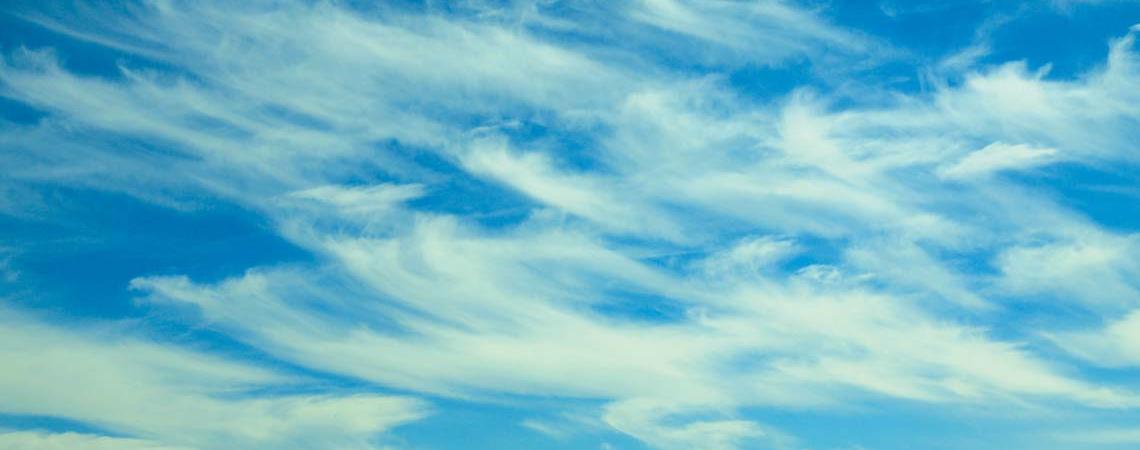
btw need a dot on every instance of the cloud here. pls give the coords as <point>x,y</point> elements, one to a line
<point>567,424</point>
<point>750,256</point>
<point>1097,269</point>
<point>582,195</point>
<point>1102,436</point>
<point>644,420</point>
<point>772,29</point>
<point>998,157</point>
<point>169,397</point>
<point>31,440</point>
<point>519,315</point>
<point>684,252</point>
<point>1115,345</point>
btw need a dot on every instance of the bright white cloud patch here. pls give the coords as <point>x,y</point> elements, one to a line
<point>1115,345</point>
<point>170,396</point>
<point>997,157</point>
<point>30,440</point>
<point>672,224</point>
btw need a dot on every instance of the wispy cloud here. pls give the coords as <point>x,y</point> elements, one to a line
<point>32,440</point>
<point>172,397</point>
<point>686,252</point>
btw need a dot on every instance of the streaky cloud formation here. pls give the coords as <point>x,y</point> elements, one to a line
<point>174,396</point>
<point>652,224</point>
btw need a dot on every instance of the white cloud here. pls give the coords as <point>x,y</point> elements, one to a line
<point>1115,345</point>
<point>33,440</point>
<point>1097,269</point>
<point>658,424</point>
<point>768,31</point>
<point>318,117</point>
<point>1100,436</point>
<point>750,256</point>
<point>584,195</point>
<point>170,397</point>
<point>997,157</point>
<point>360,200</point>
<point>519,315</point>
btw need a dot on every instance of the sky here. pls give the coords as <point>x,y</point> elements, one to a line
<point>570,225</point>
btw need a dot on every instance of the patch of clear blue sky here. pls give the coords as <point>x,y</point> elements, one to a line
<point>81,252</point>
<point>80,255</point>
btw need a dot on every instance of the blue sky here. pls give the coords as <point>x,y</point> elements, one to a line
<point>655,224</point>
